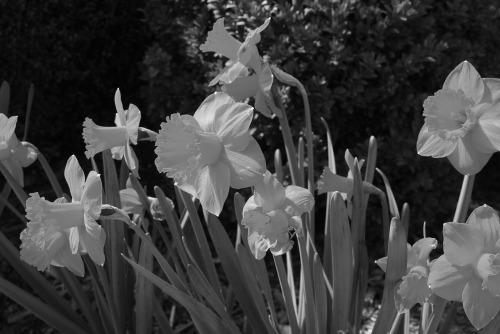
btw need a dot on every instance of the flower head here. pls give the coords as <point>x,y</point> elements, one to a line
<point>13,154</point>
<point>131,203</point>
<point>272,213</point>
<point>117,138</point>
<point>414,287</point>
<point>209,152</point>
<point>57,232</point>
<point>469,270</point>
<point>245,76</point>
<point>462,120</point>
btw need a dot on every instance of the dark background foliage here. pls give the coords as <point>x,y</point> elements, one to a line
<point>367,66</point>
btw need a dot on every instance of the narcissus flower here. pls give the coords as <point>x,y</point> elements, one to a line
<point>414,287</point>
<point>245,76</point>
<point>57,232</point>
<point>208,153</point>
<point>117,138</point>
<point>469,270</point>
<point>272,213</point>
<point>131,203</point>
<point>13,154</point>
<point>462,120</point>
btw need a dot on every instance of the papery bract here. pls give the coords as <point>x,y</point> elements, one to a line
<point>117,138</point>
<point>414,287</point>
<point>462,120</point>
<point>272,213</point>
<point>209,152</point>
<point>469,270</point>
<point>57,232</point>
<point>13,154</point>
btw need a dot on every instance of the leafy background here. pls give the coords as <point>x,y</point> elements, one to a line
<point>367,66</point>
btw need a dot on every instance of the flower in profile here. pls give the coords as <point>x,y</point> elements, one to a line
<point>57,232</point>
<point>117,138</point>
<point>245,76</point>
<point>272,213</point>
<point>462,120</point>
<point>209,152</point>
<point>414,287</point>
<point>13,154</point>
<point>469,270</point>
<point>131,203</point>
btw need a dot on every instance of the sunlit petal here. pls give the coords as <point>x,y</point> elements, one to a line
<point>92,195</point>
<point>462,243</point>
<point>430,144</point>
<point>75,178</point>
<point>298,200</point>
<point>131,160</point>
<point>422,249</point>
<point>130,201</point>
<point>466,158</point>
<point>269,193</point>
<point>132,123</point>
<point>448,280</point>
<point>242,88</point>
<point>466,78</point>
<point>246,167</point>
<point>120,112</point>
<point>25,155</point>
<point>382,263</point>
<point>485,219</point>
<point>220,41</point>
<point>71,261</point>
<point>212,187</point>
<point>206,113</point>
<point>231,124</point>
<point>93,240</point>
<point>479,305</point>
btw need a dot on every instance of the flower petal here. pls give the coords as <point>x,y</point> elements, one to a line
<point>258,245</point>
<point>479,304</point>
<point>462,243</point>
<point>242,88</point>
<point>92,195</point>
<point>230,73</point>
<point>75,178</point>
<point>8,128</point>
<point>93,240</point>
<point>332,182</point>
<point>269,193</point>
<point>220,41</point>
<point>382,263</point>
<point>448,280</point>
<point>466,158</point>
<point>131,160</point>
<point>246,167</point>
<point>422,249</point>
<point>74,262</point>
<point>466,78</point>
<point>298,200</point>
<point>74,239</point>
<point>206,113</point>
<point>212,187</point>
<point>130,201</point>
<point>485,219</point>
<point>120,113</point>
<point>133,120</point>
<point>429,144</point>
<point>231,124</point>
<point>25,155</point>
<point>117,152</point>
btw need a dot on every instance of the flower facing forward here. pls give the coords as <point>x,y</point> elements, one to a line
<point>414,287</point>
<point>209,152</point>
<point>469,270</point>
<point>462,120</point>
<point>13,154</point>
<point>272,213</point>
<point>246,76</point>
<point>57,232</point>
<point>117,138</point>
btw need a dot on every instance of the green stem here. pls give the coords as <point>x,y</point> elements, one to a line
<point>48,171</point>
<point>18,190</point>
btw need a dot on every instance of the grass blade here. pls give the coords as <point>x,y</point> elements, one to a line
<point>31,94</point>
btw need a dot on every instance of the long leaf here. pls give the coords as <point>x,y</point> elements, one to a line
<point>320,295</point>
<point>52,317</point>
<point>144,292</point>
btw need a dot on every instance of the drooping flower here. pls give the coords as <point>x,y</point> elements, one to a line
<point>469,270</point>
<point>131,203</point>
<point>209,152</point>
<point>272,213</point>
<point>13,154</point>
<point>462,120</point>
<point>246,75</point>
<point>57,232</point>
<point>414,287</point>
<point>117,138</point>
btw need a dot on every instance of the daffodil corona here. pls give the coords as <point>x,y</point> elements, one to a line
<point>209,152</point>
<point>462,120</point>
<point>58,232</point>
<point>117,138</point>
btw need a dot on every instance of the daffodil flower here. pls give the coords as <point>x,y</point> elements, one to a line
<point>117,138</point>
<point>469,270</point>
<point>57,232</point>
<point>414,287</point>
<point>131,203</point>
<point>462,120</point>
<point>272,213</point>
<point>209,152</point>
<point>238,82</point>
<point>13,154</point>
